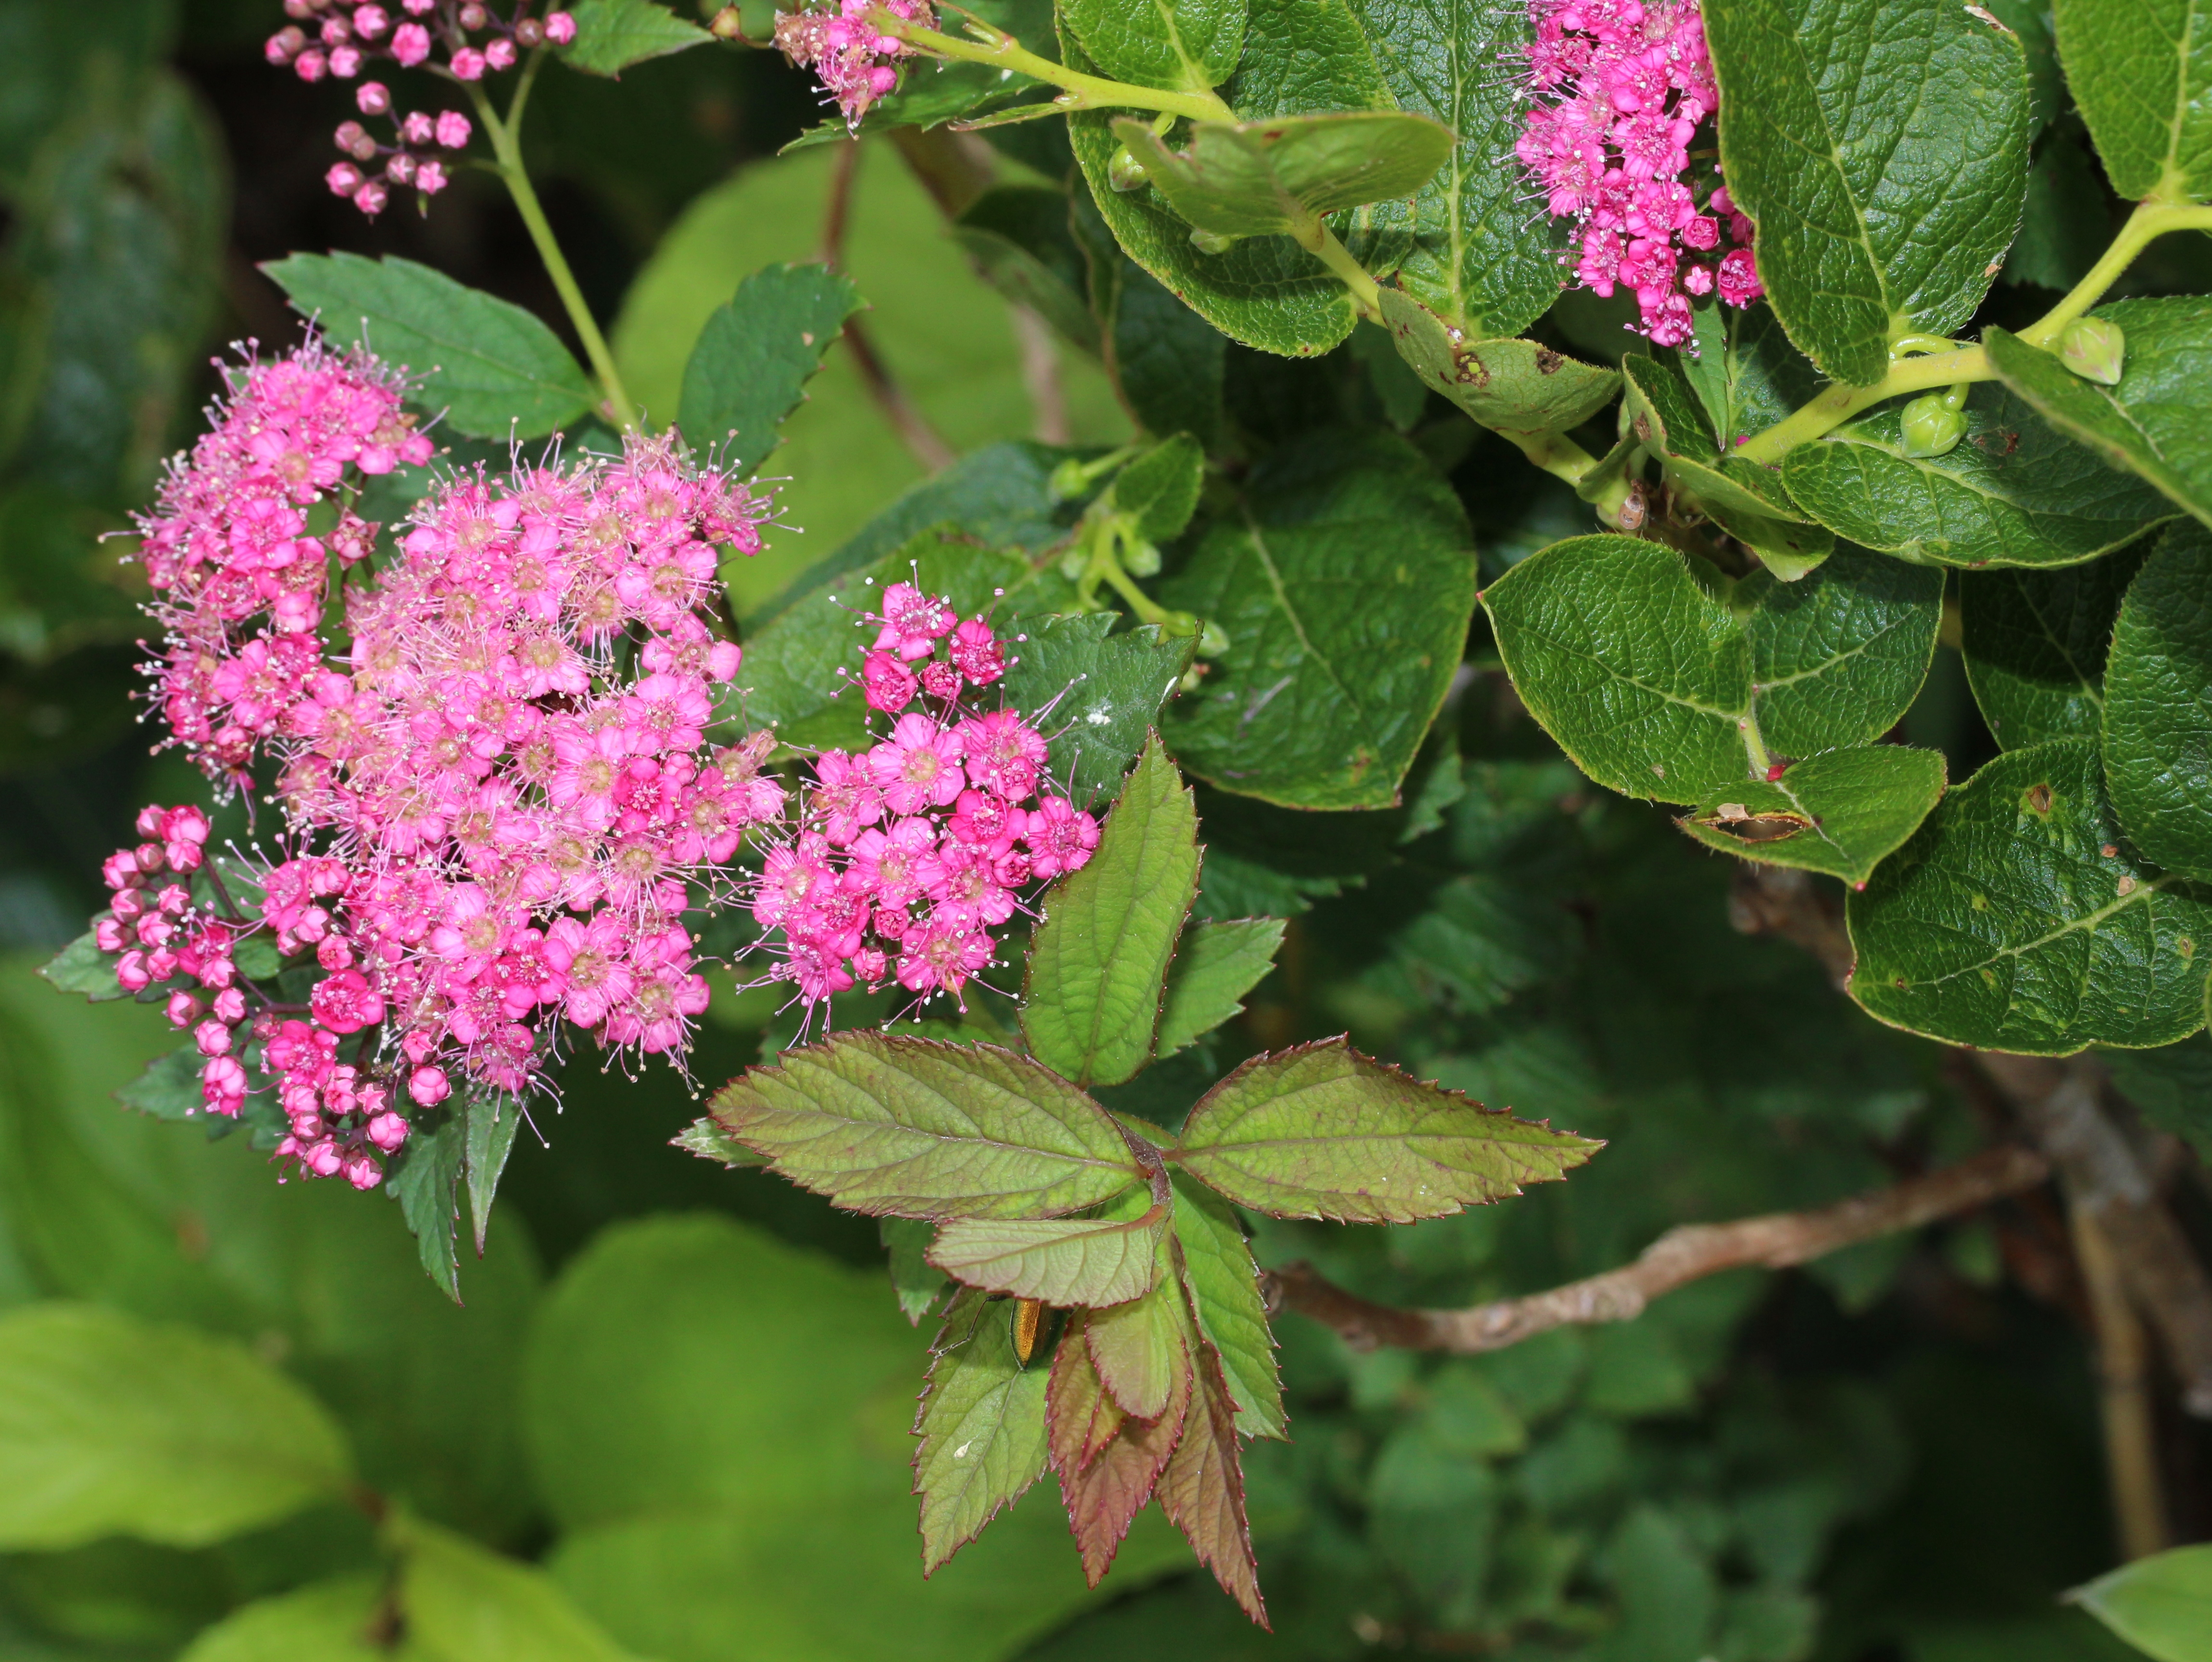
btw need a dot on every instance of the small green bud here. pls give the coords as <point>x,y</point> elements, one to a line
<point>1069,480</point>
<point>1212,242</point>
<point>1191,678</point>
<point>728,24</point>
<point>1931,428</point>
<point>1141,559</point>
<point>1179,624</point>
<point>2094,349</point>
<point>1072,564</point>
<point>1213,640</point>
<point>1124,172</point>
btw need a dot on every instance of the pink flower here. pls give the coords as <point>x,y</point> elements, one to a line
<point>452,130</point>
<point>345,1002</point>
<point>846,798</point>
<point>560,28</point>
<point>918,766</point>
<point>1003,753</point>
<point>913,621</point>
<point>886,683</point>
<point>1060,838</point>
<point>410,44</point>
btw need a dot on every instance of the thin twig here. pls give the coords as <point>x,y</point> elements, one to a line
<point>1041,374</point>
<point>1682,1255</point>
<point>1781,900</point>
<point>2123,1390</point>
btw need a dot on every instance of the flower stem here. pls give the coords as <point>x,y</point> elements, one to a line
<point>1838,404</point>
<point>1078,91</point>
<point>1561,457</point>
<point>506,146</point>
<point>2150,220</point>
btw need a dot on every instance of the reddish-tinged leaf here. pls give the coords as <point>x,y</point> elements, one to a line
<point>1081,1419</point>
<point>1321,1131</point>
<point>1223,1285</point>
<point>1202,1492</point>
<point>981,1423</point>
<point>1104,1497</point>
<point>917,1128</point>
<point>1062,1261</point>
<point>1139,1349</point>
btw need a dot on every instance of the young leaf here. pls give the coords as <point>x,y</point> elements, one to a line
<point>613,35</point>
<point>2158,704</point>
<point>1843,812</point>
<point>709,1140</point>
<point>1090,996</point>
<point>1160,487</point>
<point>1202,1492</point>
<point>918,1283</point>
<point>1110,687</point>
<point>113,1426</point>
<point>1321,1131</point>
<point>1317,703</point>
<point>2034,644</point>
<point>1176,46</point>
<point>461,1600</point>
<point>491,1118</point>
<point>1882,151</point>
<point>1104,1493</point>
<point>1082,1419</point>
<point>1215,966</point>
<point>916,1128</point>
<point>1272,177</point>
<point>2142,80</point>
<point>1139,1347</point>
<point>1514,386</point>
<point>2162,1604</point>
<point>755,356</point>
<point>982,1425</point>
<point>2019,918</point>
<point>323,1621</point>
<point>1223,1285</point>
<point>1060,1261</point>
<point>493,367</point>
<point>2157,422</point>
<point>170,1086</point>
<point>1838,657</point>
<point>82,967</point>
<point>422,1178</point>
<point>2011,492</point>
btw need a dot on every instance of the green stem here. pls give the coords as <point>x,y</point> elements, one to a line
<point>1561,457</point>
<point>2150,220</point>
<point>1317,239</point>
<point>1840,403</point>
<point>1078,91</point>
<point>506,146</point>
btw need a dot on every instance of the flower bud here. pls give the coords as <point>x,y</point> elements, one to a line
<point>1931,428</point>
<point>1124,172</point>
<point>1179,624</point>
<point>474,16</point>
<point>2094,349</point>
<point>183,1009</point>
<point>1069,480</point>
<point>1213,640</point>
<point>729,24</point>
<point>1212,242</point>
<point>429,1085</point>
<point>1141,559</point>
<point>560,28</point>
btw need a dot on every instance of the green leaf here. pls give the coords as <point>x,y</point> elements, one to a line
<point>2157,422</point>
<point>2158,705</point>
<point>490,1120</point>
<point>1060,1261</point>
<point>917,1282</point>
<point>2063,228</point>
<point>1166,361</point>
<point>1215,966</point>
<point>1097,967</point>
<point>113,1426</point>
<point>2141,74</point>
<point>170,1086</point>
<point>1837,658</point>
<point>1019,237</point>
<point>463,1604</point>
<point>1111,685</point>
<point>324,1621</point>
<point>916,1128</point>
<point>1514,386</point>
<point>82,967</point>
<point>1843,812</point>
<point>1883,152</point>
<point>1139,1347</point>
<point>2162,1604</point>
<point>1317,703</point>
<point>1223,1285</point>
<point>2012,493</point>
<point>704,1138</point>
<point>1176,46</point>
<point>1748,375</point>
<point>981,1426</point>
<point>423,1178</point>
<point>1160,487</point>
<point>1321,1131</point>
<point>755,356</point>
<point>493,367</point>
<point>1273,177</point>
<point>613,35</point>
<point>2019,918</point>
<point>2172,1085</point>
<point>2034,644</point>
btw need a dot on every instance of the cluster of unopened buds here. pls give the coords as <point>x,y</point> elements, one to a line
<point>475,40</point>
<point>908,853</point>
<point>854,60</point>
<point>1621,89</point>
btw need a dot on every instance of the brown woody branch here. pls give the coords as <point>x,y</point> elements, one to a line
<point>1680,1256</point>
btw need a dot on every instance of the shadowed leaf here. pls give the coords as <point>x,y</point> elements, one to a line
<point>981,1423</point>
<point>1215,966</point>
<point>1061,1261</point>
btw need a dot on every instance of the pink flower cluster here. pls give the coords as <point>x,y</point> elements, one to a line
<point>908,853</point>
<point>1623,86</point>
<point>240,579</point>
<point>855,62</point>
<point>496,809</point>
<point>348,36</point>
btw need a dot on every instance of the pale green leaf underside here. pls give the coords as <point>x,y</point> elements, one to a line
<point>1061,1261</point>
<point>1270,178</point>
<point>1842,813</point>
<point>1514,386</point>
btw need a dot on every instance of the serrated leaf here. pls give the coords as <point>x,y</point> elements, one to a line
<point>82,967</point>
<point>1321,1131</point>
<point>982,1425</point>
<point>2019,918</point>
<point>755,357</point>
<point>2064,224</point>
<point>2172,1087</point>
<point>1749,376</point>
<point>1020,238</point>
<point>1091,995</point>
<point>491,1119</point>
<point>423,1179</point>
<point>1215,966</point>
<point>491,367</point>
<point>1843,812</point>
<point>1514,386</point>
<point>1275,177</point>
<point>465,1603</point>
<point>1223,1285</point>
<point>2012,493</point>
<point>1105,1493</point>
<point>170,1086</point>
<point>1317,703</point>
<point>709,1140</point>
<point>112,1426</point>
<point>1176,46</point>
<point>918,1127</point>
<point>1202,1492</point>
<point>1882,151</point>
<point>1059,1261</point>
<point>1081,1419</point>
<point>2158,704</point>
<point>2162,1604</point>
<point>2157,421</point>
<point>918,1283</point>
<point>1480,259</point>
<point>1110,685</point>
<point>1837,658</point>
<point>613,35</point>
<point>2141,74</point>
<point>2034,644</point>
<point>1137,1346</point>
<point>1160,487</point>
